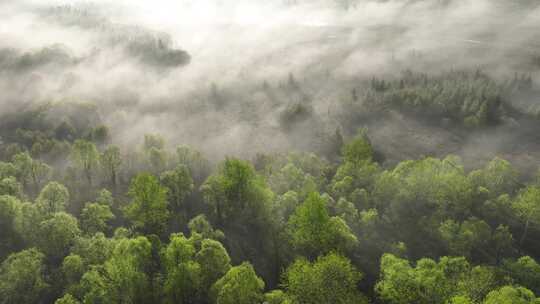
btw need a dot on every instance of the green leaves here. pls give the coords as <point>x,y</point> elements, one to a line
<point>148,208</point>
<point>313,231</point>
<point>330,279</point>
<point>22,278</point>
<point>240,285</point>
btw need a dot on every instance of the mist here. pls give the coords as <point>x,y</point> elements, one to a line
<point>225,76</point>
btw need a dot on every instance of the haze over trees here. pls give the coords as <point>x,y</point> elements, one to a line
<point>346,158</point>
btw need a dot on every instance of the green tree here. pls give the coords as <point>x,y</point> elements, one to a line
<point>200,225</point>
<point>183,274</point>
<point>122,278</point>
<point>10,186</point>
<point>240,285</point>
<point>110,161</point>
<point>148,208</point>
<point>358,149</point>
<point>511,295</point>
<point>31,171</point>
<point>22,278</point>
<point>53,198</point>
<point>330,279</point>
<point>236,191</point>
<point>85,156</point>
<point>313,231</point>
<point>431,282</point>
<point>57,234</point>
<point>67,299</point>
<point>525,271</point>
<point>214,263</point>
<point>527,209</point>
<point>9,214</point>
<point>94,218</point>
<point>179,184</point>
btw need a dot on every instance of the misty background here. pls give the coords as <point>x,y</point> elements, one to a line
<point>243,77</point>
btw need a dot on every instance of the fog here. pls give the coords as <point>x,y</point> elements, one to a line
<point>220,74</point>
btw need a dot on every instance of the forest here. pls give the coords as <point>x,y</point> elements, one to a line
<point>216,154</point>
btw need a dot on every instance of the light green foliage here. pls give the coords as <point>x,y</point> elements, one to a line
<point>462,238</point>
<point>198,165</point>
<point>183,278</point>
<point>157,159</point>
<point>147,210</point>
<point>110,161</point>
<point>85,156</point>
<point>73,268</point>
<point>22,279</point>
<point>200,225</point>
<point>276,297</point>
<point>313,231</point>
<point>57,234</point>
<point>28,222</point>
<point>432,282</point>
<point>94,218</point>
<point>7,170</point>
<point>525,271</point>
<point>498,177</point>
<point>240,285</point>
<point>291,178</point>
<point>94,250</point>
<point>527,209</point>
<point>179,184</point>
<point>105,198</point>
<point>358,150</point>
<point>330,279</point>
<point>54,197</point>
<point>214,262</point>
<point>67,299</point>
<point>122,278</point>
<point>10,211</point>
<point>236,191</point>
<point>30,170</point>
<point>10,186</point>
<point>511,295</point>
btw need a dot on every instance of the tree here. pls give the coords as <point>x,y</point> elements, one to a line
<point>10,186</point>
<point>313,231</point>
<point>240,285</point>
<point>179,185</point>
<point>85,156</point>
<point>358,149</point>
<point>67,299</point>
<point>498,177</point>
<point>31,170</point>
<point>53,198</point>
<point>200,225</point>
<point>432,282</point>
<point>148,208</point>
<point>183,278</point>
<point>237,191</point>
<point>525,272</point>
<point>9,213</point>
<point>22,278</point>
<point>330,279</point>
<point>57,234</point>
<point>511,295</point>
<point>122,278</point>
<point>111,160</point>
<point>214,263</point>
<point>527,209</point>
<point>94,218</point>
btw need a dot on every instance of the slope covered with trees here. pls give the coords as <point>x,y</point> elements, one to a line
<point>162,225</point>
